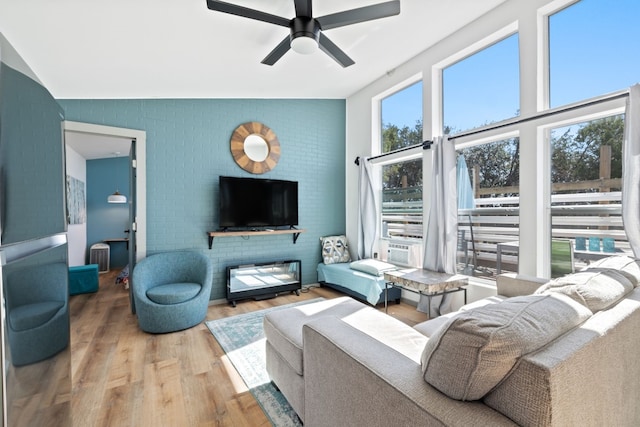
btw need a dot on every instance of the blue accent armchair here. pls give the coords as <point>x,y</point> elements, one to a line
<point>37,303</point>
<point>171,290</point>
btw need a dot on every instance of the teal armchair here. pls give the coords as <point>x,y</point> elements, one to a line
<point>171,290</point>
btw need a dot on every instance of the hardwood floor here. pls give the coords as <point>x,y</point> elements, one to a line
<point>122,376</point>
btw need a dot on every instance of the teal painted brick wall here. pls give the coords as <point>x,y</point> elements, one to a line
<point>32,170</point>
<point>108,220</point>
<point>188,149</point>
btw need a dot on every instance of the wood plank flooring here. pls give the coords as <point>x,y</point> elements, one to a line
<point>122,376</point>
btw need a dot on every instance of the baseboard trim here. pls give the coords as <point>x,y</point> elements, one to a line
<point>218,301</point>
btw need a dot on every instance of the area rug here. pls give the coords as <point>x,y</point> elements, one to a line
<point>242,339</point>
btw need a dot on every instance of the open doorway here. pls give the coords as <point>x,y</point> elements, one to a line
<point>111,157</point>
<point>98,164</point>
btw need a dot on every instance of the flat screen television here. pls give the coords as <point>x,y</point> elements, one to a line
<point>248,203</point>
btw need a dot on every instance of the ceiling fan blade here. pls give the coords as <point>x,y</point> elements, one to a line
<point>245,12</point>
<point>303,8</point>
<point>334,51</point>
<point>362,14</point>
<point>278,52</point>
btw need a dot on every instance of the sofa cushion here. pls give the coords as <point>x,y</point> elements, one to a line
<point>173,293</point>
<point>470,355</point>
<point>283,328</point>
<point>596,289</point>
<point>335,249</point>
<point>372,266</point>
<point>494,299</point>
<point>431,326</point>
<point>628,266</point>
<point>389,331</point>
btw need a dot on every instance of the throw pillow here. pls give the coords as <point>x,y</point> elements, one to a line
<point>596,289</point>
<point>372,266</point>
<point>472,353</point>
<point>628,266</point>
<point>335,249</point>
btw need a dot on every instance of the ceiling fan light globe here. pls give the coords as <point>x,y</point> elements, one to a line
<point>304,45</point>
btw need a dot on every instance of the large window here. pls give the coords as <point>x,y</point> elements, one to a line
<point>555,174</point>
<point>402,199</point>
<point>482,88</point>
<point>592,52</point>
<point>479,90</point>
<point>586,183</point>
<point>401,117</point>
<point>593,49</point>
<point>402,180</point>
<point>586,60</point>
<point>488,218</point>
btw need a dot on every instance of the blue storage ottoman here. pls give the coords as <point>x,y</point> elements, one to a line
<point>83,279</point>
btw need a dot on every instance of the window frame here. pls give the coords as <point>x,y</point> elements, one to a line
<point>390,158</point>
<point>532,127</point>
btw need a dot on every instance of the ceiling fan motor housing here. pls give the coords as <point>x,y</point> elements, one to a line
<point>302,26</point>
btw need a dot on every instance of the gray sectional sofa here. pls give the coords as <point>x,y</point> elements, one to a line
<point>562,353</point>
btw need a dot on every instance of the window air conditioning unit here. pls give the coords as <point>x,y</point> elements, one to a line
<point>99,254</point>
<point>398,253</point>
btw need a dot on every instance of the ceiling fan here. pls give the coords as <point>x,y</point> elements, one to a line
<point>306,31</point>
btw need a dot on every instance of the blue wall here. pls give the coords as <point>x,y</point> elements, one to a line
<point>188,149</point>
<point>32,154</point>
<point>108,220</point>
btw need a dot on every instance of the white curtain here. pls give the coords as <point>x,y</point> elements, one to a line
<point>367,210</point>
<point>464,187</point>
<point>631,170</point>
<point>442,224</point>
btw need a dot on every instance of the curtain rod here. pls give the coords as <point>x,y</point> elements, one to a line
<point>425,146</point>
<point>542,115</point>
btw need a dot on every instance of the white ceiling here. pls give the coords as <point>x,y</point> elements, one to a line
<point>93,146</point>
<point>180,49</point>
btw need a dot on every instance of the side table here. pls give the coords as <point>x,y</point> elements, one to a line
<point>425,282</point>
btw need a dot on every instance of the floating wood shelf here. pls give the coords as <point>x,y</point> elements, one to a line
<point>296,232</point>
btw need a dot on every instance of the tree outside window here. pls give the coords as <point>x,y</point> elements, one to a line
<point>402,181</point>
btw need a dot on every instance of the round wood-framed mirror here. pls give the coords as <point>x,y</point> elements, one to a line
<point>255,147</point>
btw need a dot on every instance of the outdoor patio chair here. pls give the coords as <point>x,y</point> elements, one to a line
<point>561,257</point>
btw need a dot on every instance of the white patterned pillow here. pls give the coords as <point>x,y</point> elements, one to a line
<point>335,249</point>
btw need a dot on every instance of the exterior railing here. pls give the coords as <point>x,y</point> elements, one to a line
<point>402,213</point>
<point>586,212</point>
